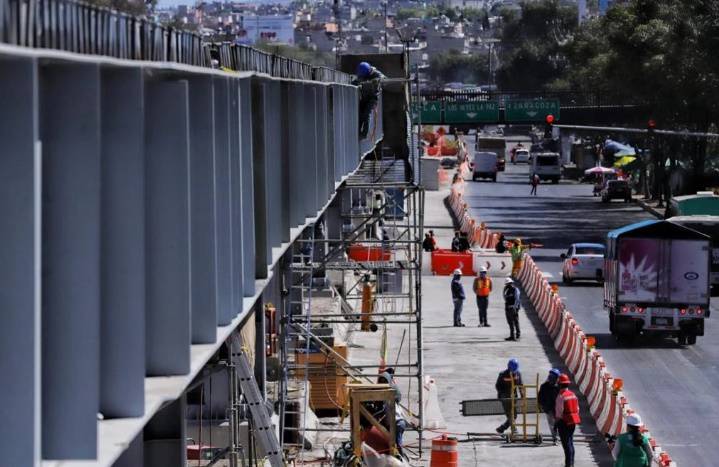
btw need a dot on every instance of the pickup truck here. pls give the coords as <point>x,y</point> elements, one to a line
<point>656,281</point>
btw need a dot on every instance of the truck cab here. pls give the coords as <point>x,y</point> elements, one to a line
<point>657,281</point>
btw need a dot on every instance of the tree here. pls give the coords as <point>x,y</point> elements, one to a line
<point>532,42</point>
<point>457,67</point>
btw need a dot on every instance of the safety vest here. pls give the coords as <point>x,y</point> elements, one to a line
<point>629,454</point>
<point>482,287</point>
<point>570,403</point>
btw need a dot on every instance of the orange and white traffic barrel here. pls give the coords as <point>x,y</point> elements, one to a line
<point>444,452</point>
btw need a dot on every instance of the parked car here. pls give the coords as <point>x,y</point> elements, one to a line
<point>583,261</point>
<point>616,189</point>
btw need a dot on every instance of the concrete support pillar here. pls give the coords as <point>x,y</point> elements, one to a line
<point>164,436</point>
<point>70,133</point>
<point>311,189</point>
<point>202,211</point>
<point>122,340</point>
<point>236,148</point>
<point>260,343</point>
<point>20,180</point>
<point>296,148</point>
<point>283,183</point>
<point>249,243</point>
<point>167,228</point>
<point>223,206</point>
<point>263,248</point>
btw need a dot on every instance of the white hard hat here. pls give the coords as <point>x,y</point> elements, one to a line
<point>508,280</point>
<point>482,269</point>
<point>457,272</point>
<point>634,420</point>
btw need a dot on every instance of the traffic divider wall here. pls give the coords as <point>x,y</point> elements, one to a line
<point>607,404</point>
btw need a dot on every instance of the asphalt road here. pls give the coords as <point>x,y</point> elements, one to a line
<point>675,389</point>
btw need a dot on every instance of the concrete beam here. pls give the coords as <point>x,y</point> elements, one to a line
<point>122,339</point>
<point>70,134</point>
<point>202,211</point>
<point>249,244</point>
<point>263,247</point>
<point>223,225</point>
<point>168,228</point>
<point>236,254</point>
<point>20,179</point>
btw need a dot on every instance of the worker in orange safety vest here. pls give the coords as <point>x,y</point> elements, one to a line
<point>567,417</point>
<point>482,288</point>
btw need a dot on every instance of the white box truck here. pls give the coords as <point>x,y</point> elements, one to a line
<point>485,166</point>
<point>657,281</point>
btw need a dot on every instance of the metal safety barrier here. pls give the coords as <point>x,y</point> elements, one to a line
<point>76,27</point>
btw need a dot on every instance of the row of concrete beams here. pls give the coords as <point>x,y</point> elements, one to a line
<point>139,204</point>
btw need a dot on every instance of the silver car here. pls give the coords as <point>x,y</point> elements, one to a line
<point>583,261</point>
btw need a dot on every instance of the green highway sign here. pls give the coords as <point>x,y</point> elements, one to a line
<point>431,113</point>
<point>531,110</point>
<point>471,112</point>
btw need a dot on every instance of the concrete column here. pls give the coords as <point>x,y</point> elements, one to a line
<point>311,189</point>
<point>202,211</point>
<point>263,248</point>
<point>273,163</point>
<point>70,133</point>
<point>167,228</point>
<point>296,138</point>
<point>223,227</point>
<point>323,178</point>
<point>236,229</point>
<point>122,343</point>
<point>20,181</point>
<point>164,436</point>
<point>249,244</point>
<point>283,182</point>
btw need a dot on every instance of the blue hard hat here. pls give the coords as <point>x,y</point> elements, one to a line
<point>513,364</point>
<point>555,372</point>
<point>363,69</point>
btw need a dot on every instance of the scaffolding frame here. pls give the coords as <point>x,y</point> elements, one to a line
<point>399,212</point>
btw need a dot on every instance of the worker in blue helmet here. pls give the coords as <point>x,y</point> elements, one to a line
<point>547,397</point>
<point>508,385</point>
<point>369,81</point>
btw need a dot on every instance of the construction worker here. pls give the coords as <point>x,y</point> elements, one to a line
<point>512,303</point>
<point>566,413</point>
<point>547,397</point>
<point>632,449</point>
<point>506,380</point>
<point>457,297</point>
<point>427,243</point>
<point>482,288</point>
<point>517,250</point>
<point>369,80</point>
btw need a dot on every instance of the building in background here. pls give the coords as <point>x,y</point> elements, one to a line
<point>260,28</point>
<point>582,10</point>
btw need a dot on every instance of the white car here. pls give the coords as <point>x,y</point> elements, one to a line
<point>583,261</point>
<point>521,156</point>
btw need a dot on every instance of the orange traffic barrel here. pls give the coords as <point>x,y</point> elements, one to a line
<point>444,452</point>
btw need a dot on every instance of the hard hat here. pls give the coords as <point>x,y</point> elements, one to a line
<point>457,272</point>
<point>363,69</point>
<point>513,365</point>
<point>482,269</point>
<point>563,379</point>
<point>634,420</point>
<point>508,280</point>
<point>556,372</point>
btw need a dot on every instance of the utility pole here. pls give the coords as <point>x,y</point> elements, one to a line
<point>338,42</point>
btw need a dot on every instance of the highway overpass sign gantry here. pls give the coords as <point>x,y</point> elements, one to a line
<point>531,110</point>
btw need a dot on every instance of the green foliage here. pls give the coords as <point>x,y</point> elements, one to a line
<point>456,67</point>
<point>532,44</point>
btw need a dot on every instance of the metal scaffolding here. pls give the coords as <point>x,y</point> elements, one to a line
<point>380,214</point>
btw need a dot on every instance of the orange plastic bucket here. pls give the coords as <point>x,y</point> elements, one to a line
<point>444,452</point>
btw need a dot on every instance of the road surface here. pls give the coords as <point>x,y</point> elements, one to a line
<point>674,389</point>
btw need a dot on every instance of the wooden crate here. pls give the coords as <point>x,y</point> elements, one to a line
<point>327,381</point>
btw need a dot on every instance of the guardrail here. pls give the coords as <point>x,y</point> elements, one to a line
<point>72,26</point>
